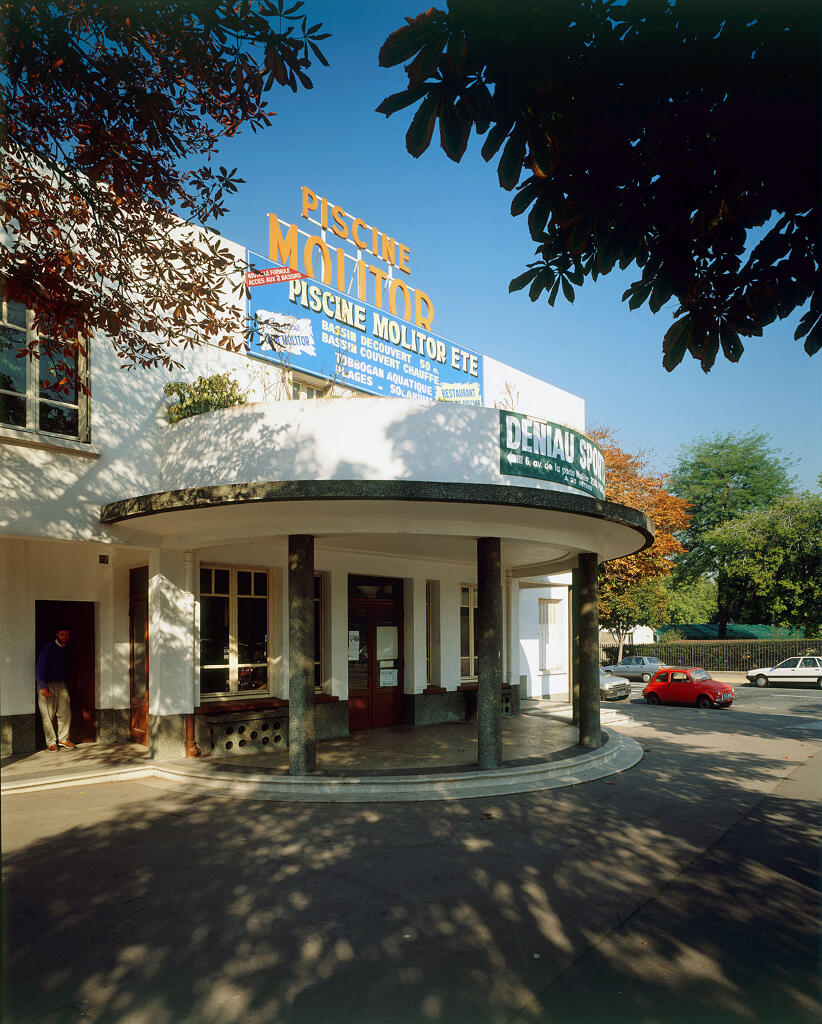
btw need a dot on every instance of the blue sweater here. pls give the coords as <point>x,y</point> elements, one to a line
<point>51,665</point>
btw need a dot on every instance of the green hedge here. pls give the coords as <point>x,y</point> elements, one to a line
<point>718,655</point>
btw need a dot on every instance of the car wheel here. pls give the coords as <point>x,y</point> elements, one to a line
<point>652,698</point>
<point>761,680</point>
<point>645,677</point>
<point>704,701</point>
<point>601,695</point>
<point>819,684</point>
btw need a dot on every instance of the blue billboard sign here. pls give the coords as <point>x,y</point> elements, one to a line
<point>305,325</point>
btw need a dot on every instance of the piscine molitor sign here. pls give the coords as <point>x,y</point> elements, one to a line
<point>373,335</point>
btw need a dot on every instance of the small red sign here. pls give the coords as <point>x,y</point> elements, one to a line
<point>272,275</point>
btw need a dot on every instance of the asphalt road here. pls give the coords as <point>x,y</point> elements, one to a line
<point>686,888</point>
<point>768,700</point>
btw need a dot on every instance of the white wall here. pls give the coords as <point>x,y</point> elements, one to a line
<point>50,491</point>
<point>502,384</point>
<point>554,683</point>
<point>338,439</point>
<point>34,570</point>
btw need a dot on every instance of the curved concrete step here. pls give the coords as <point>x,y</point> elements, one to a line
<point>618,754</point>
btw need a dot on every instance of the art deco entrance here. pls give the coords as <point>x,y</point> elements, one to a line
<point>375,627</point>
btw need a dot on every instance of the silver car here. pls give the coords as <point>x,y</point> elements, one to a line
<point>612,689</point>
<point>805,671</point>
<point>635,668</point>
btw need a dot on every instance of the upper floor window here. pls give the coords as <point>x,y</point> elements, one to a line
<point>302,387</point>
<point>40,393</point>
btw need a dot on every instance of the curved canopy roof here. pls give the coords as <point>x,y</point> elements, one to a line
<point>541,530</point>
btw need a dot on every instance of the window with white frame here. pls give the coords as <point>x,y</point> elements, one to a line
<point>550,646</point>
<point>433,640</point>
<point>41,393</point>
<point>308,387</point>
<point>234,631</point>
<point>468,631</point>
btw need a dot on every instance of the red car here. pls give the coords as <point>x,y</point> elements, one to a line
<point>690,686</point>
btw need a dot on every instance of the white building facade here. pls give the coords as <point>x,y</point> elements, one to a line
<point>168,549</point>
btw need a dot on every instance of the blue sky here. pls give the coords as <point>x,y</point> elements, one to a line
<point>465,248</point>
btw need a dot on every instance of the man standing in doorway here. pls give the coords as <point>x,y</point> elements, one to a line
<point>52,692</point>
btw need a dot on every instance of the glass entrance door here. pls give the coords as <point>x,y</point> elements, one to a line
<point>375,627</point>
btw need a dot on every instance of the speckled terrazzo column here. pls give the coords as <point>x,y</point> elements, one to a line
<point>590,734</point>
<point>489,653</point>
<point>575,604</point>
<point>302,743</point>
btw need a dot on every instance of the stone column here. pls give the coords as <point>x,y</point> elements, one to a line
<point>590,734</point>
<point>575,605</point>
<point>302,742</point>
<point>511,666</point>
<point>489,653</point>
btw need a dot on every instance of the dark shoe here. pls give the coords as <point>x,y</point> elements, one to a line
<point>52,746</point>
<point>68,745</point>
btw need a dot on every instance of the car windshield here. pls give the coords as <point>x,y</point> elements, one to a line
<point>699,675</point>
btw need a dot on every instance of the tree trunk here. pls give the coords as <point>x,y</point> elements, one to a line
<point>722,607</point>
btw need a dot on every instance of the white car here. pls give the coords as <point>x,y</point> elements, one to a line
<point>805,671</point>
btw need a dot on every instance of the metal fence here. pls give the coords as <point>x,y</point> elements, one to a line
<point>719,655</point>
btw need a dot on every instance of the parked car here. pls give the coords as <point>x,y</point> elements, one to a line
<point>691,686</point>
<point>612,689</point>
<point>805,671</point>
<point>635,668</point>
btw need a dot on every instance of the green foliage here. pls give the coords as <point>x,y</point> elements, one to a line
<point>724,477</point>
<point>655,135</point>
<point>690,601</point>
<point>772,560</point>
<point>219,391</point>
<point>643,604</point>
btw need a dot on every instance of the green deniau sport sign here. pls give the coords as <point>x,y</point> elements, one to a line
<point>537,448</point>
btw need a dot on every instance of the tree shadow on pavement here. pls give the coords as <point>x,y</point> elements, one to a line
<point>150,904</point>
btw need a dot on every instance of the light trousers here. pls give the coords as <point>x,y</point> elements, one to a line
<point>57,707</point>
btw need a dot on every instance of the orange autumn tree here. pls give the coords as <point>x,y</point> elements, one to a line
<point>630,589</point>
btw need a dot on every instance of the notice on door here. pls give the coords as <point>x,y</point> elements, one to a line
<point>353,645</point>
<point>388,643</point>
<point>389,677</point>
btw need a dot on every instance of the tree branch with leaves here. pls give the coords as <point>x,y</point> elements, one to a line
<point>110,105</point>
<point>682,139</point>
<point>631,591</point>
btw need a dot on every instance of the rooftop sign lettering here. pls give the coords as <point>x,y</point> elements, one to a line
<point>323,258</point>
<point>371,332</point>
<point>542,450</point>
